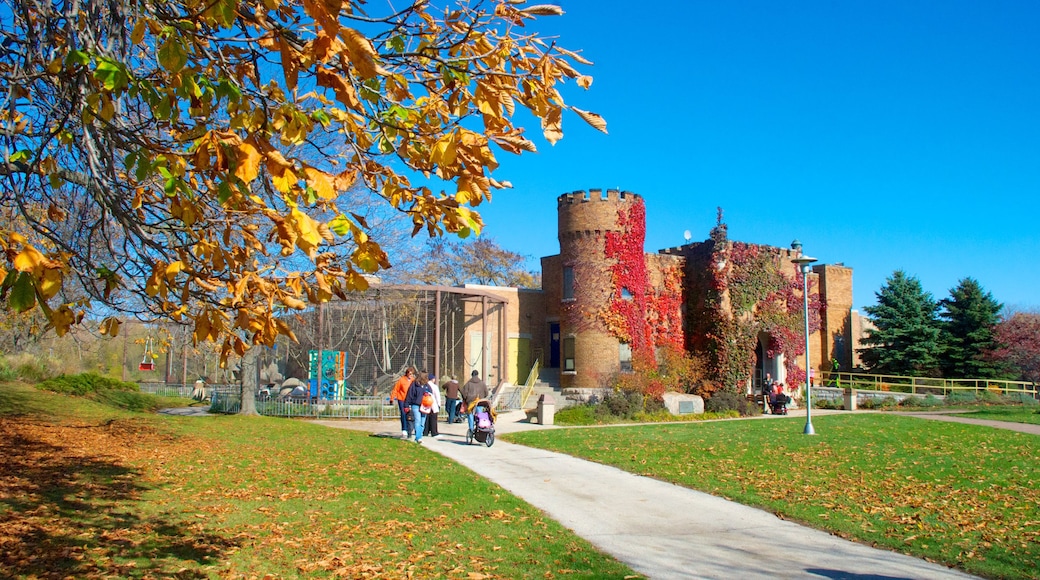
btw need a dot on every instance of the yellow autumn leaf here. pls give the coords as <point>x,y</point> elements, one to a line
<point>248,166</point>
<point>50,283</point>
<point>362,54</point>
<point>306,229</point>
<point>173,269</point>
<point>294,303</point>
<point>321,182</point>
<point>284,181</point>
<point>444,151</point>
<point>28,260</point>
<point>596,121</point>
<point>110,327</point>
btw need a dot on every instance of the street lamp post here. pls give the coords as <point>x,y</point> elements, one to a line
<point>802,263</point>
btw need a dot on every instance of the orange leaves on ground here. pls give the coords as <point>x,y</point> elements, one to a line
<point>65,477</point>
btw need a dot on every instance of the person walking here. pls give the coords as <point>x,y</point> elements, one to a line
<point>420,401</point>
<point>473,391</point>
<point>431,418</point>
<point>398,395</point>
<point>451,393</point>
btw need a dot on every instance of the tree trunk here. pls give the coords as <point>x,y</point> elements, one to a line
<point>250,374</point>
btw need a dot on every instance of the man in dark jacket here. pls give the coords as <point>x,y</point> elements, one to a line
<point>451,393</point>
<point>473,391</point>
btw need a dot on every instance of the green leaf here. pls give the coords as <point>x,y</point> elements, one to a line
<point>77,57</point>
<point>23,295</point>
<point>224,192</point>
<point>172,55</point>
<point>340,225</point>
<point>321,117</point>
<point>20,155</point>
<point>112,75</point>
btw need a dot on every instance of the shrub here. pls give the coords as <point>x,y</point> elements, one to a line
<point>576,415</point>
<point>83,384</point>
<point>7,374</point>
<point>1022,399</point>
<point>962,398</point>
<point>623,404</point>
<point>828,404</point>
<point>912,401</point>
<point>722,401</point>
<point>992,397</point>
<point>932,401</point>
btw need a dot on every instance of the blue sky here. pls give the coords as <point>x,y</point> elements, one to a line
<point>885,135</point>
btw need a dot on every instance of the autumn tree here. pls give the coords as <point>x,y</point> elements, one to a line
<point>968,318</point>
<point>1018,344</point>
<point>199,161</point>
<point>479,261</point>
<point>905,340</point>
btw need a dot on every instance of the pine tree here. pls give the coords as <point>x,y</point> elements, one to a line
<point>969,317</point>
<point>905,340</point>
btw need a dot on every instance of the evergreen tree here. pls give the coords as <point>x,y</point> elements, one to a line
<point>969,317</point>
<point>905,340</point>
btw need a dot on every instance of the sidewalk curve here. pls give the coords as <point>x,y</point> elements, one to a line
<point>663,530</point>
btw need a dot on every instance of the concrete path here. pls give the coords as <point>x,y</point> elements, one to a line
<point>659,529</point>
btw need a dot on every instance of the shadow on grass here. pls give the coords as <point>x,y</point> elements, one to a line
<point>69,509</point>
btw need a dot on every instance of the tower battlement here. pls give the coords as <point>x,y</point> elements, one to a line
<point>595,194</point>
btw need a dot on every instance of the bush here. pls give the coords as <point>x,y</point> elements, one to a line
<point>622,404</point>
<point>828,403</point>
<point>875,403</point>
<point>912,401</point>
<point>576,415</point>
<point>7,374</point>
<point>932,401</point>
<point>962,398</point>
<point>992,397</point>
<point>84,384</point>
<point>722,401</point>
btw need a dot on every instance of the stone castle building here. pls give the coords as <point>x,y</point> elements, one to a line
<point>604,297</point>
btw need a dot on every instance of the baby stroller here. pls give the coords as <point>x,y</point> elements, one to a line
<point>483,424</point>
<point>778,404</point>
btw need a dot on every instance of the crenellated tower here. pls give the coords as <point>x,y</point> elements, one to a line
<point>587,221</point>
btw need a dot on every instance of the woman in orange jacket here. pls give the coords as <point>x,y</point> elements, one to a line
<point>398,394</point>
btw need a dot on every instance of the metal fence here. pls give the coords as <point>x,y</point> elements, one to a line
<point>229,400</point>
<point>925,385</point>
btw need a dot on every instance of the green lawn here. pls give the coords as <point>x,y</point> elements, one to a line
<point>87,490</point>
<point>1013,414</point>
<point>958,494</point>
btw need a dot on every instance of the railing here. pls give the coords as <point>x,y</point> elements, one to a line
<point>532,378</point>
<point>229,400</point>
<point>924,385</point>
<point>177,389</point>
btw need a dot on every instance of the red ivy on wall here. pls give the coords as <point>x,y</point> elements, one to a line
<point>637,313</point>
<point>760,298</point>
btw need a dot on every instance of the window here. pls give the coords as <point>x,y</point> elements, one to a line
<point>625,357</point>
<point>568,353</point>
<point>568,283</point>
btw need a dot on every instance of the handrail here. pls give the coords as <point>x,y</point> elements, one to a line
<point>915,385</point>
<point>532,378</point>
